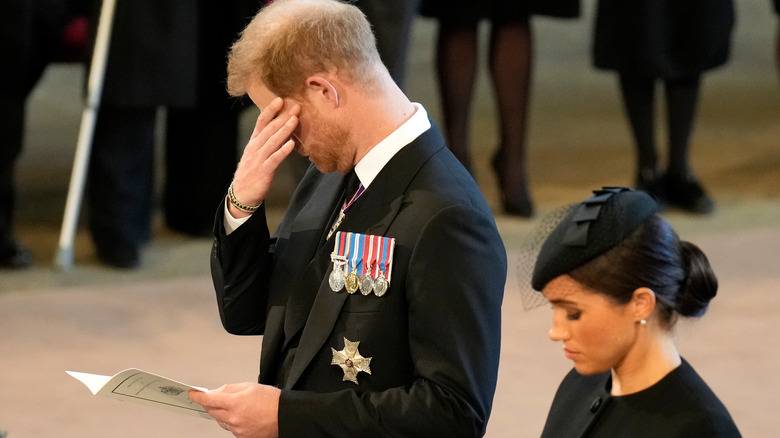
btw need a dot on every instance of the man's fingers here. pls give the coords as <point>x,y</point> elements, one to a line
<point>267,114</point>
<point>214,401</point>
<point>275,160</point>
<point>231,388</point>
<point>272,139</point>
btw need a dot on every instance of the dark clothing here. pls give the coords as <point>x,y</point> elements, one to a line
<point>667,39</point>
<point>152,54</point>
<point>169,53</point>
<point>434,338</point>
<point>466,11</point>
<point>30,38</point>
<point>679,405</point>
<point>392,24</point>
<point>172,53</point>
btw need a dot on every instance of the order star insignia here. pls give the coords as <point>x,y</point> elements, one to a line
<point>350,361</point>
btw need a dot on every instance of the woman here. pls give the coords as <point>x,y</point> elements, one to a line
<point>618,277</point>
<point>510,65</point>
<point>674,42</point>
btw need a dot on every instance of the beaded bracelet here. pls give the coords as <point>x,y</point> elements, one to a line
<point>243,207</point>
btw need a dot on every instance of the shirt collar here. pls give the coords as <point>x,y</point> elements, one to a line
<point>372,163</point>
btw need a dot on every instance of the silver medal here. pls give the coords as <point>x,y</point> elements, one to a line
<point>337,279</point>
<point>366,284</point>
<point>380,285</point>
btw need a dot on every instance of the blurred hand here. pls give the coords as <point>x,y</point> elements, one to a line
<point>268,146</point>
<point>248,410</point>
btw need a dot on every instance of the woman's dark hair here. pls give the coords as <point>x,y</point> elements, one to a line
<point>653,256</point>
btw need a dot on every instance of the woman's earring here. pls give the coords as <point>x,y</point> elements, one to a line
<point>643,322</point>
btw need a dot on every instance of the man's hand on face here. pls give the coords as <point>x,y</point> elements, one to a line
<point>248,410</point>
<point>268,146</point>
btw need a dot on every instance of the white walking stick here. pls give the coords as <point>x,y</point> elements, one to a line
<point>97,70</point>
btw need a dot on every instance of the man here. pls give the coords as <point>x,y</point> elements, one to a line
<point>380,307</point>
<point>33,34</point>
<point>162,53</point>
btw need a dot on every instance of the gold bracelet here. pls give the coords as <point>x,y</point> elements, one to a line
<point>243,207</point>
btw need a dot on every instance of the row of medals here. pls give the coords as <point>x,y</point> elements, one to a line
<point>339,279</point>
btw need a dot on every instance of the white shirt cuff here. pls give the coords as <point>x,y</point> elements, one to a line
<point>231,223</point>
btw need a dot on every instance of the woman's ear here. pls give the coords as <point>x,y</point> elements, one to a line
<point>324,88</point>
<point>643,302</point>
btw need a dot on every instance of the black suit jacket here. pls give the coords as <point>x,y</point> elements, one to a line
<point>434,338</point>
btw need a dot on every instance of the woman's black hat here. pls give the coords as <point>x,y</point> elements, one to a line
<point>590,229</point>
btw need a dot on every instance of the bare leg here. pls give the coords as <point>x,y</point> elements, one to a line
<point>511,59</point>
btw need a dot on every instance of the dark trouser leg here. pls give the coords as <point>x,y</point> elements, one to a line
<point>201,156</point>
<point>27,45</point>
<point>120,184</point>
<point>12,253</point>
<point>11,133</point>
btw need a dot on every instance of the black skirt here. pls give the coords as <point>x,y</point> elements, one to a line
<point>462,11</point>
<point>668,39</point>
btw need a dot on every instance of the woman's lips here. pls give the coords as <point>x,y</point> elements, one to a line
<point>570,354</point>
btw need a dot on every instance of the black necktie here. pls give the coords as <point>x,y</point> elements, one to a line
<point>353,183</point>
<point>351,186</point>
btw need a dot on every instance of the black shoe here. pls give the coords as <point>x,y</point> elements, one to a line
<point>14,255</point>
<point>649,180</point>
<point>120,256</point>
<point>514,198</point>
<point>520,208</point>
<point>686,193</point>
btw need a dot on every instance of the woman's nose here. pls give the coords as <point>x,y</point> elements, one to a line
<point>558,330</point>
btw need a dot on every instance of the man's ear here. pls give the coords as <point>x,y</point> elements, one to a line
<point>324,88</point>
<point>643,302</point>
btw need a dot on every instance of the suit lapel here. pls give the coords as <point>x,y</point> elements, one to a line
<point>373,213</point>
<point>310,256</point>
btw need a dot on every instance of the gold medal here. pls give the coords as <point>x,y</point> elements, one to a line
<point>352,283</point>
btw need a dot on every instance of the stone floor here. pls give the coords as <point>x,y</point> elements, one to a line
<point>162,317</point>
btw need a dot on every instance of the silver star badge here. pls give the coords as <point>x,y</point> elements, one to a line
<point>350,361</point>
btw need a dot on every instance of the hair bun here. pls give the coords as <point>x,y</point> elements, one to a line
<point>700,284</point>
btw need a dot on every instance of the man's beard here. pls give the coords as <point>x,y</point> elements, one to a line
<point>330,150</point>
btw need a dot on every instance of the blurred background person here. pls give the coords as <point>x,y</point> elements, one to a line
<point>163,53</point>
<point>777,36</point>
<point>392,25</point>
<point>674,42</point>
<point>510,65</point>
<point>33,33</point>
<point>618,278</point>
